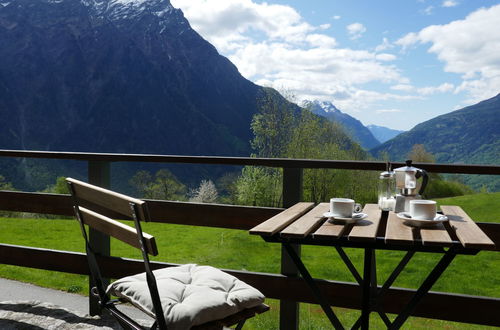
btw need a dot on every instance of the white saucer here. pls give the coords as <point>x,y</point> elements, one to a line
<point>439,218</point>
<point>355,217</point>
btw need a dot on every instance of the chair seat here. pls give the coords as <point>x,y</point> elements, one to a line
<point>190,294</point>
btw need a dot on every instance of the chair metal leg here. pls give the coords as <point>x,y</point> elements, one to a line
<point>239,326</point>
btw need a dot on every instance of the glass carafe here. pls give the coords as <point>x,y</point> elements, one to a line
<point>386,191</point>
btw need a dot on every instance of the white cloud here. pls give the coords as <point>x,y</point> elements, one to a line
<point>320,40</point>
<point>384,45</point>
<point>469,47</point>
<point>388,110</point>
<point>274,46</point>
<point>408,40</point>
<point>430,90</point>
<point>428,11</point>
<point>336,17</point>
<point>403,87</point>
<point>425,91</point>
<point>385,57</point>
<point>355,30</point>
<point>449,3</point>
<point>225,22</point>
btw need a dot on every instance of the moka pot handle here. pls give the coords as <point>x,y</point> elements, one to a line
<point>425,179</point>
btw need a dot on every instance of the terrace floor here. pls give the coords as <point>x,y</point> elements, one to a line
<point>29,307</point>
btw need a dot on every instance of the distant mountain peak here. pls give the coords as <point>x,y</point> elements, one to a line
<point>326,106</point>
<point>383,133</point>
<point>123,9</point>
<point>353,126</point>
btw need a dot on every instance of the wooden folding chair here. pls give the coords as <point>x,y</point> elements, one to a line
<point>181,297</point>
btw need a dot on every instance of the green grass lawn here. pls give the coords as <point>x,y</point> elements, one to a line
<point>234,249</point>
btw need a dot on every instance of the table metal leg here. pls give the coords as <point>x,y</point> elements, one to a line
<point>314,288</point>
<point>349,264</point>
<point>367,279</point>
<point>424,288</point>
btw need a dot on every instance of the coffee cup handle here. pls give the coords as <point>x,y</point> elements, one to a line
<point>357,208</point>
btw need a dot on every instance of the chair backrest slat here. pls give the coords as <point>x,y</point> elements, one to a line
<point>107,199</point>
<point>95,205</point>
<point>117,230</point>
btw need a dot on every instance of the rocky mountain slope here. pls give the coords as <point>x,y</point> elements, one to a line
<point>353,127</point>
<point>126,76</point>
<point>117,75</point>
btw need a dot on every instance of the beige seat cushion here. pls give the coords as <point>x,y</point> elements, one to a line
<point>190,294</point>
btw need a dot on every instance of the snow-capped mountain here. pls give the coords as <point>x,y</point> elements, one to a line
<point>128,9</point>
<point>353,127</point>
<point>116,75</point>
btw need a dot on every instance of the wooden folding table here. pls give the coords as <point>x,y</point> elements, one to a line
<point>304,223</point>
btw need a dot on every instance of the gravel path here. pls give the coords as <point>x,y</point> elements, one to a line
<point>27,306</point>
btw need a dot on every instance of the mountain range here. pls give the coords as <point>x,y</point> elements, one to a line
<point>132,76</point>
<point>470,135</point>
<point>382,133</point>
<point>353,127</point>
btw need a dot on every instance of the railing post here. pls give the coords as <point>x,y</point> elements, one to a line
<point>292,193</point>
<point>99,175</point>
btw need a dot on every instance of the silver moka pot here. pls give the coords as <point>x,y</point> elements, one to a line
<point>407,185</point>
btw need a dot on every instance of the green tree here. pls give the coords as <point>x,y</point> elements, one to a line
<point>317,138</point>
<point>60,187</point>
<point>141,181</point>
<point>228,188</point>
<point>280,132</point>
<point>259,186</point>
<point>272,128</point>
<point>164,185</point>
<point>4,185</point>
<point>438,186</point>
<point>272,125</point>
<point>419,155</point>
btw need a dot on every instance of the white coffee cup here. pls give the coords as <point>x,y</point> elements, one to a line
<point>343,207</point>
<point>421,209</point>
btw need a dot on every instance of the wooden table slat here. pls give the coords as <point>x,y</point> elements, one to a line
<point>281,220</point>
<point>469,234</point>
<point>366,229</point>
<point>329,230</point>
<point>307,223</point>
<point>397,232</point>
<point>436,236</point>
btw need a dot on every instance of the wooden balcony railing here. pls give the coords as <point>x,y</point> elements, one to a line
<point>287,286</point>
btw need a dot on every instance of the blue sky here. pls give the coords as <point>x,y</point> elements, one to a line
<point>385,62</point>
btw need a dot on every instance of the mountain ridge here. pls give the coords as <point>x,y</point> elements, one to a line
<point>353,127</point>
<point>470,135</point>
<point>115,76</point>
<point>97,58</point>
<point>382,133</point>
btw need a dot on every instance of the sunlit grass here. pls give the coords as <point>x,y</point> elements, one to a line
<point>235,249</point>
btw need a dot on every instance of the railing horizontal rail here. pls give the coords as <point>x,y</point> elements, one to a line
<point>341,294</point>
<point>196,214</point>
<point>184,213</point>
<point>270,162</point>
